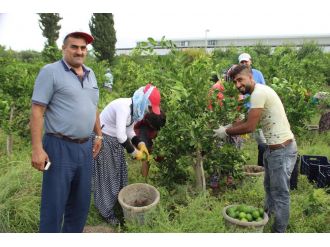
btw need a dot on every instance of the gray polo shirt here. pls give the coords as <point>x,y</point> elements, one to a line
<point>71,103</point>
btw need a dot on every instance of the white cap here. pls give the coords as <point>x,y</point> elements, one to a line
<point>244,57</point>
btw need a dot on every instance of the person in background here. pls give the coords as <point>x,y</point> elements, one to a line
<point>258,77</point>
<point>65,98</point>
<point>110,168</point>
<point>323,100</point>
<point>147,130</point>
<point>281,153</point>
<point>109,80</point>
<point>218,87</point>
<point>246,59</point>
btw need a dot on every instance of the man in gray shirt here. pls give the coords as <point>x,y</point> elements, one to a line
<point>65,98</point>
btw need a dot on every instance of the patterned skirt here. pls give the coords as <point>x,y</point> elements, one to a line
<point>109,175</point>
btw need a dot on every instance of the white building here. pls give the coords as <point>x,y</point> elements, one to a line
<point>273,41</point>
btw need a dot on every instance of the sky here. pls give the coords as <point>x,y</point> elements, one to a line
<point>175,19</point>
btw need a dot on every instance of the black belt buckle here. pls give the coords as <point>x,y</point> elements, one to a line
<point>80,141</point>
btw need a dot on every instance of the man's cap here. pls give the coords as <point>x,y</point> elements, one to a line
<point>244,57</point>
<point>88,38</point>
<point>154,98</point>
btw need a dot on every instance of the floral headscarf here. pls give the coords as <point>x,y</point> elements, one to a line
<point>141,103</point>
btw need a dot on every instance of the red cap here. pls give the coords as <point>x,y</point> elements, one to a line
<point>88,38</point>
<point>154,98</point>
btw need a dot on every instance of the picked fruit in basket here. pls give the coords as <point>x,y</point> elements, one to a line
<point>246,213</point>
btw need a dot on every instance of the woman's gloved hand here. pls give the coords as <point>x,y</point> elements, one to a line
<point>143,148</point>
<point>138,155</point>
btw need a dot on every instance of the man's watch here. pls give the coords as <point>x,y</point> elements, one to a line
<point>99,137</point>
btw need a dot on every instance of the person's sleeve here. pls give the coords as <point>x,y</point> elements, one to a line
<point>43,87</point>
<point>258,100</point>
<point>262,79</point>
<point>130,131</point>
<point>121,118</point>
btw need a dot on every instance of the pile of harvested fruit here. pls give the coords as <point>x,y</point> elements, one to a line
<point>246,213</point>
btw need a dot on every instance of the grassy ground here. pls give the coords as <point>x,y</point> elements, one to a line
<point>180,210</point>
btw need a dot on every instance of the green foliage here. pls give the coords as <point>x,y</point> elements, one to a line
<point>224,58</point>
<point>310,211</point>
<point>180,210</point>
<point>48,23</point>
<point>307,64</point>
<point>29,56</point>
<point>51,54</point>
<point>198,214</point>
<point>17,80</point>
<point>103,31</point>
<point>297,101</point>
<point>148,47</point>
<point>313,143</point>
<point>226,160</point>
<point>20,194</point>
<point>183,79</point>
<point>191,213</point>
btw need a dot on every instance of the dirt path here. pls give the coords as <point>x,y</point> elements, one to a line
<point>98,229</point>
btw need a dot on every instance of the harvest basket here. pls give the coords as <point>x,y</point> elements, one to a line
<point>137,200</point>
<point>235,225</point>
<point>253,171</point>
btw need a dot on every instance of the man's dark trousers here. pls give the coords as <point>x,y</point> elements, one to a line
<point>66,188</point>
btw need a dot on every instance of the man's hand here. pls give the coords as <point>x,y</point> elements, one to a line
<point>97,146</point>
<point>38,159</point>
<point>220,132</point>
<point>143,148</point>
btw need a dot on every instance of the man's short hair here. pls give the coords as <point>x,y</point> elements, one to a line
<point>238,69</point>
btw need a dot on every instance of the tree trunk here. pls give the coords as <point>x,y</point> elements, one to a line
<point>10,136</point>
<point>199,173</point>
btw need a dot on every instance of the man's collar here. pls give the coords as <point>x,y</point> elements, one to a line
<point>67,67</point>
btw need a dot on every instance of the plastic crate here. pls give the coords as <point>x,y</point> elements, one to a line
<point>323,178</point>
<point>310,165</point>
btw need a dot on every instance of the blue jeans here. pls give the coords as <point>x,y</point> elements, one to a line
<point>66,186</point>
<point>279,164</point>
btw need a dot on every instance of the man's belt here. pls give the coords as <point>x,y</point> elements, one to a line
<point>66,138</point>
<point>282,145</point>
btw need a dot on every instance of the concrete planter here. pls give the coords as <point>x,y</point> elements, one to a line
<point>253,171</point>
<point>137,200</point>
